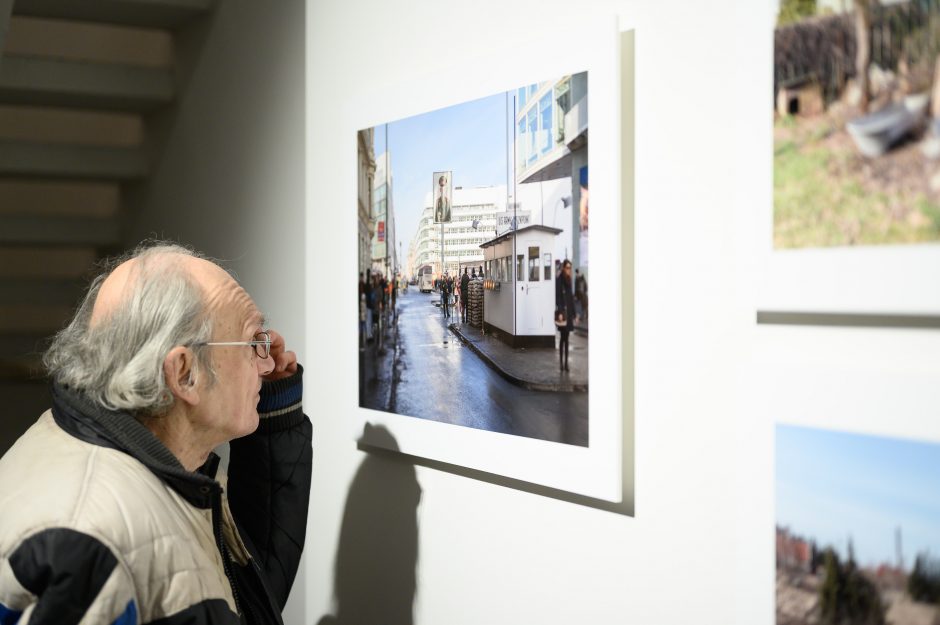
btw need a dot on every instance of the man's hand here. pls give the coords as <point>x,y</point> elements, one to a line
<point>285,362</point>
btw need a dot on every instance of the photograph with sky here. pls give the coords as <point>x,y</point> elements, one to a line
<point>473,263</point>
<point>857,528</point>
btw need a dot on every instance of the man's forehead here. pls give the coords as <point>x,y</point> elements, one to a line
<point>225,296</point>
<point>239,303</point>
<point>255,318</point>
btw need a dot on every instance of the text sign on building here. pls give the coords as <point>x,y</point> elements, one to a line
<point>442,196</point>
<point>505,220</point>
<point>380,232</point>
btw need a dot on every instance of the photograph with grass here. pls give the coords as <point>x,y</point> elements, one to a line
<point>856,123</point>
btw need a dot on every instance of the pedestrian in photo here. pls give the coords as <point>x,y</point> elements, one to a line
<point>445,295</point>
<point>583,298</point>
<point>115,508</point>
<point>394,296</point>
<point>383,300</point>
<point>578,292</point>
<point>564,312</point>
<point>362,311</point>
<point>370,306</point>
<point>360,300</point>
<point>464,295</point>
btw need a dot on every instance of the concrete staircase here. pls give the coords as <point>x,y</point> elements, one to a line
<point>78,80</point>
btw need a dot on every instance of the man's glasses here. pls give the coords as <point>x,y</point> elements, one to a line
<point>262,344</point>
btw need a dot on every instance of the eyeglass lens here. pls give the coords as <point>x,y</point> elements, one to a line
<point>263,345</point>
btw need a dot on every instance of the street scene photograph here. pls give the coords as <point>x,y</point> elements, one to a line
<point>856,123</point>
<point>473,263</point>
<point>857,529</point>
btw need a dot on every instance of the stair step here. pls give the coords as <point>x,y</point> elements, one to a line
<point>27,80</point>
<point>23,403</point>
<point>6,9</point>
<point>22,357</point>
<point>83,41</point>
<point>57,198</point>
<point>145,13</point>
<point>25,345</point>
<point>18,158</point>
<point>47,263</point>
<point>33,318</point>
<point>59,230</point>
<point>21,369</point>
<point>59,292</point>
<point>69,126</point>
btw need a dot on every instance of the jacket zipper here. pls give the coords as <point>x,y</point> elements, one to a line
<point>223,551</point>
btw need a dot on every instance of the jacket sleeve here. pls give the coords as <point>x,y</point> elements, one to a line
<point>269,483</point>
<point>61,577</point>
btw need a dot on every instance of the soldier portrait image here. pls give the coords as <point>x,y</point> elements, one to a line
<point>442,195</point>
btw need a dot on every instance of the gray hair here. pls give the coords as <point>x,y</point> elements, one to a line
<point>118,362</point>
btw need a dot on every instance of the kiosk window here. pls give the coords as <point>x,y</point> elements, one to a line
<point>547,265</point>
<point>520,267</point>
<point>534,254</point>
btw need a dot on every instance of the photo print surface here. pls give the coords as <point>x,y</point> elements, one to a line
<point>856,134</point>
<point>857,528</point>
<point>473,263</point>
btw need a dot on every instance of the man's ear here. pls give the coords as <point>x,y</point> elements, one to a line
<point>179,371</point>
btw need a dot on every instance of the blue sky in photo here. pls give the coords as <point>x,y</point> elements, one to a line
<point>469,139</point>
<point>834,485</point>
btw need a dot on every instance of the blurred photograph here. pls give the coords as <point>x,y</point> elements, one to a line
<point>857,529</point>
<point>856,108</point>
<point>473,263</point>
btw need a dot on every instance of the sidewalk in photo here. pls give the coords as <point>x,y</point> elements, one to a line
<point>534,368</point>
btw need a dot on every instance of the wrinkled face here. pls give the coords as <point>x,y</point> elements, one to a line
<point>230,406</point>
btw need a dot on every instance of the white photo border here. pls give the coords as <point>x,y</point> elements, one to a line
<point>595,471</point>
<point>866,280</point>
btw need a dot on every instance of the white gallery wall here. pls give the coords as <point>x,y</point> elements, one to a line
<point>227,174</point>
<point>257,165</point>
<point>710,382</point>
<point>227,157</point>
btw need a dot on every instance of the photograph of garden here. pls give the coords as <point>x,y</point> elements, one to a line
<point>856,123</point>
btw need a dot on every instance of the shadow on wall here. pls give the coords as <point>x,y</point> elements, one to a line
<point>376,561</point>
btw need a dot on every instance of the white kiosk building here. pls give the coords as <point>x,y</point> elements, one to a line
<point>519,286</point>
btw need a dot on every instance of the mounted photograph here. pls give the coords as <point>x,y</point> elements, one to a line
<point>857,529</point>
<point>473,264</point>
<point>856,144</point>
<point>848,222</point>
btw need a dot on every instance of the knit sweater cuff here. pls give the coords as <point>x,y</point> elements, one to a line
<point>281,404</point>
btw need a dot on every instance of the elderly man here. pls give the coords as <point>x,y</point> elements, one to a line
<point>113,510</point>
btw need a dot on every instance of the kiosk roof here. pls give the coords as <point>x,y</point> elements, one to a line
<point>509,234</point>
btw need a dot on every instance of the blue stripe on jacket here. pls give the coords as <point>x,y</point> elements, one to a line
<point>8,616</point>
<point>282,399</point>
<point>129,617</point>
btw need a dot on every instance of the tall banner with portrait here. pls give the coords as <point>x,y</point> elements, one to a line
<point>442,196</point>
<point>583,216</point>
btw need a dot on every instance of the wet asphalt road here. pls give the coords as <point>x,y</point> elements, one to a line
<point>430,374</point>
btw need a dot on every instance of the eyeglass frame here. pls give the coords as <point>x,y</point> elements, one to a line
<point>266,344</point>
